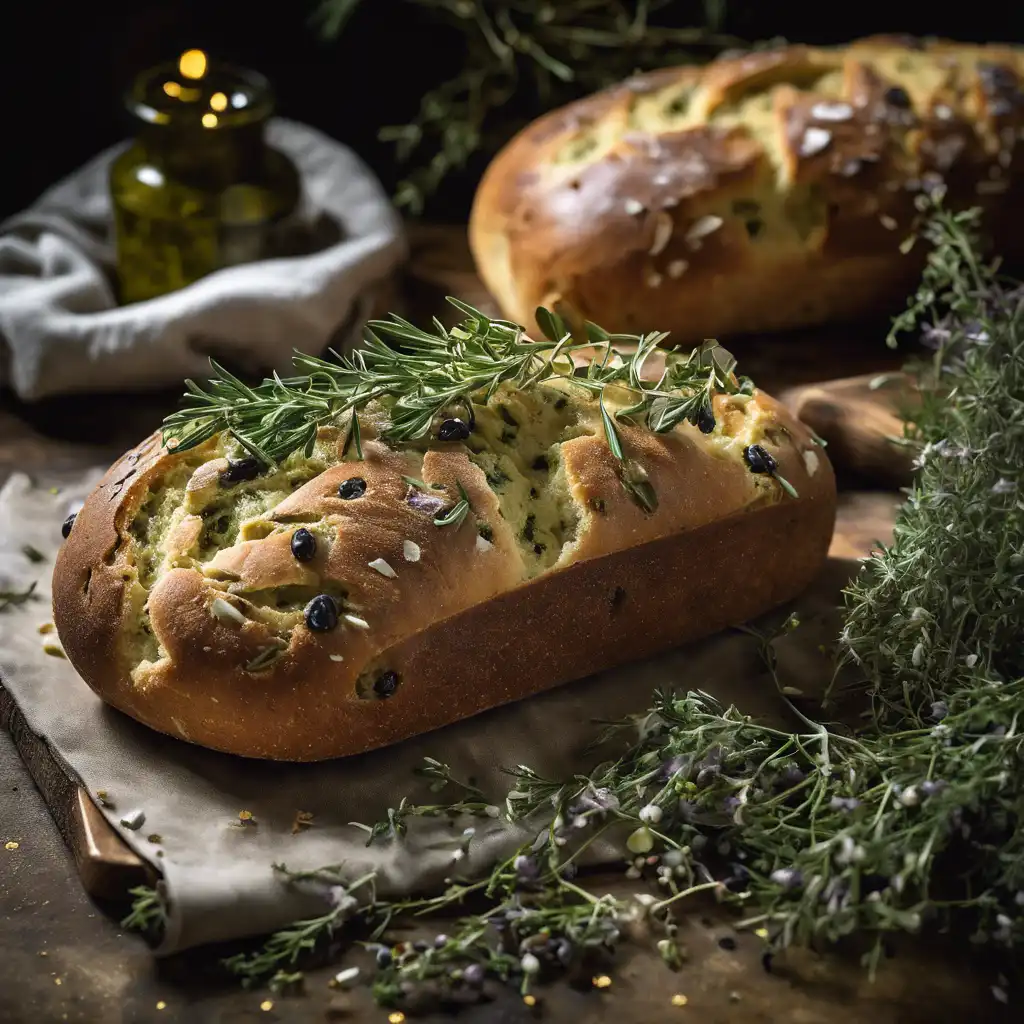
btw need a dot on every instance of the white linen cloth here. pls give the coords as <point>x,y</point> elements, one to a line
<point>61,330</point>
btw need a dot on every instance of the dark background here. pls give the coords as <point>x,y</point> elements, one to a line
<point>66,64</point>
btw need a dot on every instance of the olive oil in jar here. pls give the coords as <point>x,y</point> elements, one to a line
<point>199,189</point>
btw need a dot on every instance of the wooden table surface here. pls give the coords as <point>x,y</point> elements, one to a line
<point>64,958</point>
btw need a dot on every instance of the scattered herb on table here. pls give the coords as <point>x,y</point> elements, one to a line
<point>912,820</point>
<point>284,948</point>
<point>149,912</point>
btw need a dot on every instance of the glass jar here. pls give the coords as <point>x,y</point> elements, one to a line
<point>199,189</point>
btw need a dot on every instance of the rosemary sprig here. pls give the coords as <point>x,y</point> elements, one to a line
<point>422,375</point>
<point>394,825</point>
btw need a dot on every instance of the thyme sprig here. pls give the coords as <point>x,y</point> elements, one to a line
<point>420,375</point>
<point>284,948</point>
<point>473,801</point>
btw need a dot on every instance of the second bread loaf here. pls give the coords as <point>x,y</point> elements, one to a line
<point>758,193</point>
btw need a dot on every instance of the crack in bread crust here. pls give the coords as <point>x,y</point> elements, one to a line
<point>179,599</point>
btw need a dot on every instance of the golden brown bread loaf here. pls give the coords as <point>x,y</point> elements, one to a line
<point>186,597</point>
<point>758,193</point>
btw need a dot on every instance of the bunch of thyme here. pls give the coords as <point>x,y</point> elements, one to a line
<point>535,54</point>
<point>913,819</point>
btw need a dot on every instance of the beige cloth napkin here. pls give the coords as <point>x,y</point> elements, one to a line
<point>218,876</point>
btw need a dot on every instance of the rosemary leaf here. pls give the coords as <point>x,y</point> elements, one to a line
<point>458,512</point>
<point>148,913</point>
<point>611,433</point>
<point>551,324</point>
<point>413,481</point>
<point>353,437</point>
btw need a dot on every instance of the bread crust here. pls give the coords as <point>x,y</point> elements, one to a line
<point>759,193</point>
<point>461,626</point>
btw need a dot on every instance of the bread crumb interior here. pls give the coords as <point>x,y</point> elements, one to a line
<point>516,441</point>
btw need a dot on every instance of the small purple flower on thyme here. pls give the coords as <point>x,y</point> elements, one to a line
<point>529,963</point>
<point>791,776</point>
<point>525,867</point>
<point>787,878</point>
<point>650,814</point>
<point>849,852</point>
<point>909,797</point>
<point>598,800</point>
<point>934,337</point>
<point>844,803</point>
<point>673,766</point>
